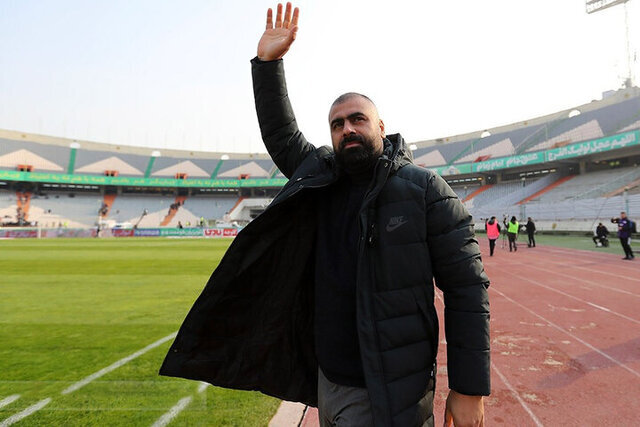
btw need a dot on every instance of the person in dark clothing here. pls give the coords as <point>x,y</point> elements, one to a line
<point>531,229</point>
<point>512,233</point>
<point>624,234</point>
<point>327,297</point>
<point>600,238</point>
<point>493,232</point>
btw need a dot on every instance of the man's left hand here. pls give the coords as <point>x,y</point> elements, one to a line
<point>463,410</point>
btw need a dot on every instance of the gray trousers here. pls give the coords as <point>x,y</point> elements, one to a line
<point>340,405</point>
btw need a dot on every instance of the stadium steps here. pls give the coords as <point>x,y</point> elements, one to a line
<point>173,211</point>
<point>23,200</point>
<point>629,186</point>
<point>545,189</point>
<point>108,201</point>
<point>478,191</point>
<point>240,199</point>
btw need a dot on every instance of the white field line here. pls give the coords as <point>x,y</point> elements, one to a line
<point>178,407</point>
<point>607,310</point>
<point>9,400</point>
<point>597,256</point>
<point>25,413</point>
<point>606,273</point>
<point>516,395</point>
<point>173,412</point>
<point>116,365</point>
<point>592,283</point>
<point>593,256</point>
<point>586,344</point>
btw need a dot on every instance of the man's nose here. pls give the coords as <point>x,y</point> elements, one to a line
<point>348,128</point>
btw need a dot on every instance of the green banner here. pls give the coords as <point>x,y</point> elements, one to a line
<point>596,146</point>
<point>181,232</point>
<point>58,178</point>
<point>453,169</point>
<point>573,150</point>
<point>578,149</point>
<point>509,162</point>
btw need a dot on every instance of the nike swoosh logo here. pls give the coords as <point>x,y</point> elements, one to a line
<point>394,226</point>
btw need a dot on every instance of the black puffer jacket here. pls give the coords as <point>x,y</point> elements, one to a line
<point>252,327</point>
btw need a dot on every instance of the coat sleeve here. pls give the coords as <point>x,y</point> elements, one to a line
<point>459,273</point>
<point>284,141</point>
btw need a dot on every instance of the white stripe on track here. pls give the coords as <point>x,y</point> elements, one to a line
<point>173,412</point>
<point>517,396</point>
<point>9,400</point>
<point>583,342</point>
<point>117,364</point>
<point>25,413</point>
<point>594,256</point>
<point>605,309</point>
<point>590,282</point>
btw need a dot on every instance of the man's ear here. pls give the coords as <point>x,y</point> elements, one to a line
<point>382,134</point>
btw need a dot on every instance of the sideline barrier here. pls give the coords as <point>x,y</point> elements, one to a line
<point>220,232</point>
<point>33,233</point>
<point>176,232</point>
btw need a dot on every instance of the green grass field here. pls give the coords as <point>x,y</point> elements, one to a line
<point>71,307</point>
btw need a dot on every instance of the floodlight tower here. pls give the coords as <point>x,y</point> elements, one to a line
<point>594,6</point>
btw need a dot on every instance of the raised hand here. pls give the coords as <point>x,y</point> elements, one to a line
<point>276,41</point>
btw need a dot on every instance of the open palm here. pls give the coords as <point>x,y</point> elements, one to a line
<point>276,40</point>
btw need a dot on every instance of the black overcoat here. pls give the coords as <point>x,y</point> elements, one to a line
<point>252,326</point>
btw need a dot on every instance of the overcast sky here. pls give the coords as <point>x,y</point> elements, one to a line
<point>176,74</point>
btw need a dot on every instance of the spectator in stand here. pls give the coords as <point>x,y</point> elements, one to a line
<point>493,232</point>
<point>180,224</point>
<point>531,229</point>
<point>600,238</point>
<point>512,233</point>
<point>624,234</point>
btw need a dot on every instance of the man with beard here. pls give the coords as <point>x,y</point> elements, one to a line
<point>327,297</point>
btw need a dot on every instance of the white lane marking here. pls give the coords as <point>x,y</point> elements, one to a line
<point>25,413</point>
<point>615,313</point>
<point>592,283</point>
<point>516,395</point>
<point>599,258</point>
<point>173,412</point>
<point>116,365</point>
<point>586,344</point>
<point>202,387</point>
<point>9,400</point>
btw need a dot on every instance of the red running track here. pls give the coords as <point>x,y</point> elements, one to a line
<point>565,339</point>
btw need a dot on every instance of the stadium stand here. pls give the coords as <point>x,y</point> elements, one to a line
<point>68,209</point>
<point>590,185</point>
<point>210,207</point>
<point>61,182</point>
<point>493,193</point>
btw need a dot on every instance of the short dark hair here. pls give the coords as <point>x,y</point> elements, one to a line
<point>346,96</point>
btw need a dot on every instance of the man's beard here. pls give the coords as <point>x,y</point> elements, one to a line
<point>359,159</point>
